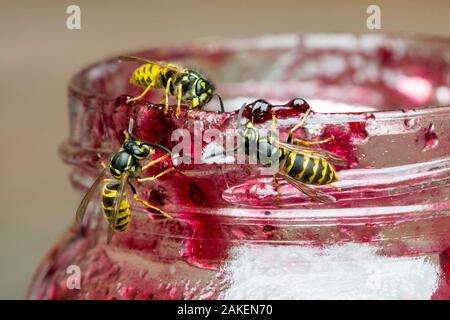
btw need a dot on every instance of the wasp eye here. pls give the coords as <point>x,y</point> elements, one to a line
<point>141,151</point>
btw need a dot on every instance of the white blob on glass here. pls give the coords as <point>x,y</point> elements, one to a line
<point>352,271</point>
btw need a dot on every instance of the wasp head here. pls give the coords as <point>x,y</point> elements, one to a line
<point>203,93</point>
<point>137,149</point>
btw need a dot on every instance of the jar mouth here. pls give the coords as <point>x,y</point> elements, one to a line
<point>397,155</point>
<point>384,47</point>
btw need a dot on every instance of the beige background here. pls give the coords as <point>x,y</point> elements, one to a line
<point>38,55</point>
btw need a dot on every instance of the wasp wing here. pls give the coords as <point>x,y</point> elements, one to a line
<point>116,206</point>
<point>159,63</point>
<point>312,152</point>
<point>309,191</point>
<point>81,211</point>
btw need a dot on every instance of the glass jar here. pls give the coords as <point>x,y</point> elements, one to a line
<point>385,99</point>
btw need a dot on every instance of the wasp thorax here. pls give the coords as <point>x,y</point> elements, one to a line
<point>122,161</point>
<point>137,149</point>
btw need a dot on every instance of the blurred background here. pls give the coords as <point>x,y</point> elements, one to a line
<point>39,55</point>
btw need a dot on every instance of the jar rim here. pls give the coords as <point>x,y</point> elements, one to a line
<point>211,45</point>
<point>81,87</point>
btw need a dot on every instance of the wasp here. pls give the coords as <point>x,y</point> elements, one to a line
<point>185,84</point>
<point>298,163</point>
<point>124,166</point>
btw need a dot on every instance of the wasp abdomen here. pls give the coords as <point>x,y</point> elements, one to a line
<point>309,170</point>
<point>148,75</point>
<point>110,194</point>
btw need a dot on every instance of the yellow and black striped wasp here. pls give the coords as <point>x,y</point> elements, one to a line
<point>298,163</point>
<point>123,166</point>
<point>185,84</point>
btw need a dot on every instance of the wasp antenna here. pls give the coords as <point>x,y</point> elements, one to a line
<point>241,111</point>
<point>221,102</point>
<point>133,58</point>
<point>160,146</point>
<point>125,58</point>
<point>130,126</point>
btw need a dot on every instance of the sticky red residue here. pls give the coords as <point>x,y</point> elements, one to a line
<point>431,138</point>
<point>385,54</point>
<point>358,130</point>
<point>260,110</point>
<point>445,264</point>
<point>409,123</point>
<point>342,144</point>
<point>207,248</point>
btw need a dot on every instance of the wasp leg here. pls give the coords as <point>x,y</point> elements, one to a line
<point>166,108</point>
<point>141,95</point>
<point>274,177</point>
<point>152,163</point>
<point>334,187</point>
<point>303,141</point>
<point>277,188</point>
<point>298,125</point>
<point>274,121</point>
<point>274,124</point>
<point>148,205</point>
<point>310,143</point>
<point>159,175</point>
<point>180,95</point>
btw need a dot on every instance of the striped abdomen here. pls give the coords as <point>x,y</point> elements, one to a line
<point>309,170</point>
<point>152,75</point>
<point>109,196</point>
